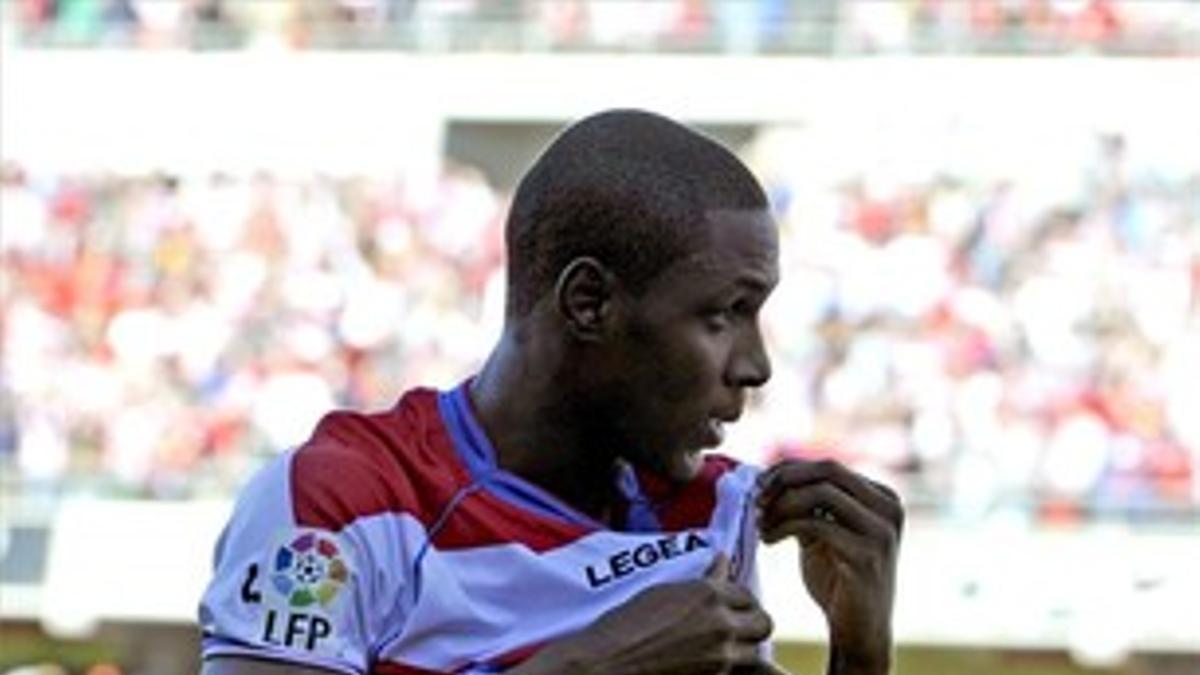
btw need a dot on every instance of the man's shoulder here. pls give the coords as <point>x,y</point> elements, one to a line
<point>410,431</point>
<point>358,464</point>
<point>406,424</point>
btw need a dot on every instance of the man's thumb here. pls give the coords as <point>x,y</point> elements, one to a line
<point>719,567</point>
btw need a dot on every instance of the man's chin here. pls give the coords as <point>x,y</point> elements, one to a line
<point>685,466</point>
<point>681,466</point>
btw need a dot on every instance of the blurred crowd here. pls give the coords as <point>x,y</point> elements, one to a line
<point>978,345</point>
<point>162,331</point>
<point>990,345</point>
<point>1142,27</point>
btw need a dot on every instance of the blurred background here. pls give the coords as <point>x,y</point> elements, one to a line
<point>220,219</point>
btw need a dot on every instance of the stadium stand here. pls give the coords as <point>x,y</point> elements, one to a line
<point>181,301</point>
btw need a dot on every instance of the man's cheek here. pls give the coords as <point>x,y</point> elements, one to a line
<point>685,377</point>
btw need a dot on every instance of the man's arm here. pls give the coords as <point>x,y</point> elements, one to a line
<point>710,625</point>
<point>848,528</point>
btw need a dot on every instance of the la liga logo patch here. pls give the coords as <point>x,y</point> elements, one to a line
<point>309,570</point>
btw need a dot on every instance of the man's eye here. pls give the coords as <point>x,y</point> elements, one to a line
<point>719,318</point>
<point>723,316</point>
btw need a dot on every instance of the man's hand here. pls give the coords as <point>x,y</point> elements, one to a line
<point>710,625</point>
<point>849,532</point>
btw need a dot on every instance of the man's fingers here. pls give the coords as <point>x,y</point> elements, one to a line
<point>735,596</point>
<point>730,593</point>
<point>846,544</point>
<point>798,473</point>
<point>895,511</point>
<point>719,568</point>
<point>827,502</point>
<point>746,620</point>
<point>794,474</point>
<point>756,626</point>
<point>742,653</point>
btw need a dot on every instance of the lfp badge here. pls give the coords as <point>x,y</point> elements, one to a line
<point>309,570</point>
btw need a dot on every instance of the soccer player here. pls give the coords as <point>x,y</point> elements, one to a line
<point>555,513</point>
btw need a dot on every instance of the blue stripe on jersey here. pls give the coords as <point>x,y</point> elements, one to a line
<point>479,456</point>
<point>642,516</point>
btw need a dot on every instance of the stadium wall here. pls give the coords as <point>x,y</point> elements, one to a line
<point>345,112</point>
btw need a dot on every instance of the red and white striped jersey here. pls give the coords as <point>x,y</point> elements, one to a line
<point>392,543</point>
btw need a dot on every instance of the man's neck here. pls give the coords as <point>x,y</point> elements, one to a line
<point>521,406</point>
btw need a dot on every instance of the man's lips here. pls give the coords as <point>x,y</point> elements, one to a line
<point>714,431</point>
<point>728,415</point>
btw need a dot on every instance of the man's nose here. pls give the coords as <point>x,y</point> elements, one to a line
<point>749,366</point>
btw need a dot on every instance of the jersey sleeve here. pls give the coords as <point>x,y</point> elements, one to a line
<point>291,591</point>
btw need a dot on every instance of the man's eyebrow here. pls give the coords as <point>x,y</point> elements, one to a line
<point>756,282</point>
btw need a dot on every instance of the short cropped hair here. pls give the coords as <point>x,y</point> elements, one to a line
<point>627,187</point>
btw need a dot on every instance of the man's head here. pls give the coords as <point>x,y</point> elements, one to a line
<point>646,249</point>
<point>626,187</point>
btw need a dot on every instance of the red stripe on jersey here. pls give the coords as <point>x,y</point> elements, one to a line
<point>690,505</point>
<point>404,461</point>
<point>483,519</point>
<point>357,465</point>
<point>516,656</point>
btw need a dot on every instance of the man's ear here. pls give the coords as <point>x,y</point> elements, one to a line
<point>584,293</point>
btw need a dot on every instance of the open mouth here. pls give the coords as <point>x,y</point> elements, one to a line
<point>719,419</point>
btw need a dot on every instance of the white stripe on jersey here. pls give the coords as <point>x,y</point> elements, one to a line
<point>461,607</point>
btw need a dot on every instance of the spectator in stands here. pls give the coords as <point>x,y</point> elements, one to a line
<point>1035,327</point>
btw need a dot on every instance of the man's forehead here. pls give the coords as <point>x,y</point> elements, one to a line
<point>750,226</point>
<point>737,246</point>
<point>749,231</point>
